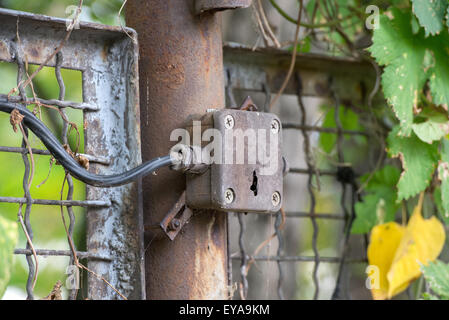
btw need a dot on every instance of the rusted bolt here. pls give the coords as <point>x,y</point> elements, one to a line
<point>275,126</point>
<point>174,224</point>
<point>229,196</point>
<point>276,199</point>
<point>229,122</point>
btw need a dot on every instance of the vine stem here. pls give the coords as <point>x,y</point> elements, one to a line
<point>293,61</point>
<point>331,23</point>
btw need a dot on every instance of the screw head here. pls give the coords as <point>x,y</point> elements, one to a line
<point>229,122</point>
<point>276,199</point>
<point>229,196</point>
<point>275,126</point>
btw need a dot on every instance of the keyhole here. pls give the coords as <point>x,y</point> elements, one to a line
<point>254,186</point>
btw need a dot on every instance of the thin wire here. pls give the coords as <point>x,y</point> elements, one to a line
<point>244,259</point>
<point>65,128</point>
<point>32,272</point>
<point>277,226</point>
<point>311,172</point>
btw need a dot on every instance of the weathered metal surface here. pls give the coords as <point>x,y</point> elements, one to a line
<point>252,70</point>
<point>181,74</point>
<point>107,58</point>
<point>202,6</point>
<point>173,222</point>
<point>247,169</point>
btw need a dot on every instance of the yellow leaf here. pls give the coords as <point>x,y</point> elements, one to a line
<point>384,241</point>
<point>422,242</point>
<point>398,251</point>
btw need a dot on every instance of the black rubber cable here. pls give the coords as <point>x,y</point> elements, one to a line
<point>71,165</point>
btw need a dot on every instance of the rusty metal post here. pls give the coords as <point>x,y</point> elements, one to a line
<point>181,73</point>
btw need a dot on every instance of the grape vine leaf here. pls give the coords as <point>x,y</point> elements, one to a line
<point>447,17</point>
<point>349,121</point>
<point>433,129</point>
<point>379,203</point>
<point>431,14</point>
<point>402,53</point>
<point>419,160</point>
<point>8,240</point>
<point>437,198</point>
<point>437,276</point>
<point>443,175</point>
<point>439,72</point>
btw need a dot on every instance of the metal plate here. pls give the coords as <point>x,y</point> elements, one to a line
<point>241,165</point>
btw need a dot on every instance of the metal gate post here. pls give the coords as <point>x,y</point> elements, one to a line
<point>181,73</point>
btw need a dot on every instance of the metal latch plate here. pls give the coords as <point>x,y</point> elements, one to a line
<point>246,175</point>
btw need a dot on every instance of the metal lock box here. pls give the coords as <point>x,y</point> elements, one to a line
<point>245,172</point>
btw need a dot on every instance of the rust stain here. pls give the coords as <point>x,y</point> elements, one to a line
<point>210,281</point>
<point>171,74</point>
<point>4,51</point>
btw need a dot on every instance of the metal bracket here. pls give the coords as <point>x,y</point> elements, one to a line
<point>175,219</point>
<point>202,6</point>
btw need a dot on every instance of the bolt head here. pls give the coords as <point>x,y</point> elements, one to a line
<point>229,122</point>
<point>276,199</point>
<point>229,196</point>
<point>174,224</point>
<point>275,126</point>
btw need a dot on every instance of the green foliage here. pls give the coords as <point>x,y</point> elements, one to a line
<point>349,121</point>
<point>8,240</point>
<point>437,276</point>
<point>379,203</point>
<point>431,14</point>
<point>418,159</point>
<point>402,53</point>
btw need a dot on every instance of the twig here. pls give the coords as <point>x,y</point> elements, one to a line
<point>305,24</point>
<point>266,24</point>
<point>120,22</point>
<point>265,242</point>
<point>260,25</point>
<point>293,60</point>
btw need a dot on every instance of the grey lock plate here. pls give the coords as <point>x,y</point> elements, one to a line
<point>249,176</point>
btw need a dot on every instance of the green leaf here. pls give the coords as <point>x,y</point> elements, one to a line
<point>379,204</point>
<point>402,52</point>
<point>418,159</point>
<point>443,175</point>
<point>8,239</point>
<point>439,73</point>
<point>437,276</point>
<point>349,121</point>
<point>433,129</point>
<point>430,14</point>
<point>447,17</point>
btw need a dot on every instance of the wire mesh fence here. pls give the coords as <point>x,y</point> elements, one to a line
<point>253,277</point>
